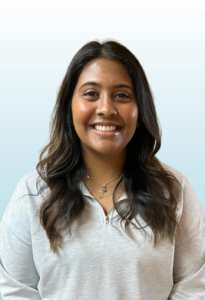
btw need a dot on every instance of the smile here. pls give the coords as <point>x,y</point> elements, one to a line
<point>105,128</point>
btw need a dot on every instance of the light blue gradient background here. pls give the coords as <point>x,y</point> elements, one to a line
<point>38,40</point>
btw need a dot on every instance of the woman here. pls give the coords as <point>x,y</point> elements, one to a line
<point>101,217</point>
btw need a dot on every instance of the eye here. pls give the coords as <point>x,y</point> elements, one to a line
<point>91,94</point>
<point>122,95</point>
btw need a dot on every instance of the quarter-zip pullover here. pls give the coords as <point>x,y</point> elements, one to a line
<point>99,261</point>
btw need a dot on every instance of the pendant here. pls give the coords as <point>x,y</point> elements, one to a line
<point>103,190</point>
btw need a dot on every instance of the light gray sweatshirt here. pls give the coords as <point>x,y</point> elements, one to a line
<point>99,261</point>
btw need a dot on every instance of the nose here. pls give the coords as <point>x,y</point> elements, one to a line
<point>106,107</point>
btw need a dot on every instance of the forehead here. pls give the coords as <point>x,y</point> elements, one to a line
<point>104,70</point>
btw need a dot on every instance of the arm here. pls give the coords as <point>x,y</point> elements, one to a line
<point>189,269</point>
<point>189,260</point>
<point>18,275</point>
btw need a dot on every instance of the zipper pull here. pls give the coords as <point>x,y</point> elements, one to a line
<point>107,220</point>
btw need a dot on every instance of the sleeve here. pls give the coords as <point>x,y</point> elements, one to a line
<point>18,275</point>
<point>189,260</point>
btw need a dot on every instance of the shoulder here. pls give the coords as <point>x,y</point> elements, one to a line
<point>28,181</point>
<point>23,204</point>
<point>182,179</point>
<point>186,186</point>
<point>28,184</point>
<point>190,214</point>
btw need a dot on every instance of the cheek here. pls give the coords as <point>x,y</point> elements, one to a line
<point>81,111</point>
<point>132,114</point>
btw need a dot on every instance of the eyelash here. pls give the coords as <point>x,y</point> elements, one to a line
<point>87,94</point>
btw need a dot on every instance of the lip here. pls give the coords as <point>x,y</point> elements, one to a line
<point>106,133</point>
<point>106,124</point>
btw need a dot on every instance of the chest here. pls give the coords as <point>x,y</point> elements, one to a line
<point>105,199</point>
<point>98,248</point>
<point>106,203</point>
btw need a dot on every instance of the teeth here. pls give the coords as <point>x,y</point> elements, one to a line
<point>105,128</point>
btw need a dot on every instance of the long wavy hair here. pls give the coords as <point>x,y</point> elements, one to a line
<point>152,191</point>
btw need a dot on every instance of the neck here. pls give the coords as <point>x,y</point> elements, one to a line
<point>103,168</point>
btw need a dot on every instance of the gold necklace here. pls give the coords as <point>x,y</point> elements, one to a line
<point>103,189</point>
<point>99,197</point>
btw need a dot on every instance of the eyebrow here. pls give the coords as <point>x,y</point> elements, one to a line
<point>120,85</point>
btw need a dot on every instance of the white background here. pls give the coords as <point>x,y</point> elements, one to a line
<point>38,40</point>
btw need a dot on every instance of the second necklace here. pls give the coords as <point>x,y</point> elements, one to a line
<point>103,189</point>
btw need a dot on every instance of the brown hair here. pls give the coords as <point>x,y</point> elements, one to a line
<point>152,191</point>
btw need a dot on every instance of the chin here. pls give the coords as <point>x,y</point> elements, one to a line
<point>108,151</point>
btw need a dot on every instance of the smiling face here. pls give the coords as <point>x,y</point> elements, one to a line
<point>104,108</point>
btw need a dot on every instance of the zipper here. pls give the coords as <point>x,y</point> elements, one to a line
<point>106,219</point>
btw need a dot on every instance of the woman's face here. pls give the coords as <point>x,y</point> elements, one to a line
<point>104,108</point>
